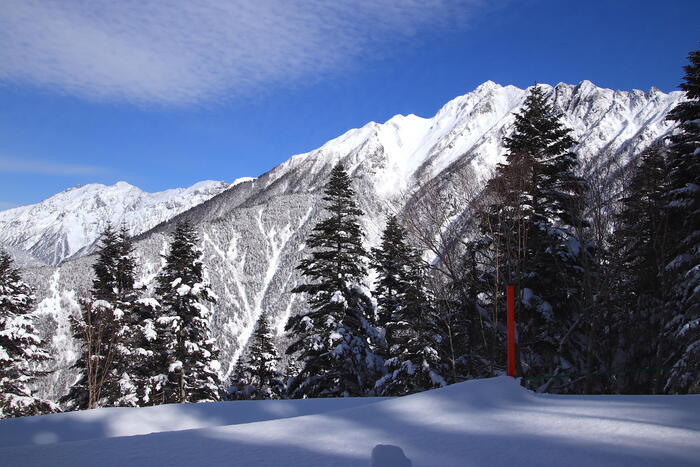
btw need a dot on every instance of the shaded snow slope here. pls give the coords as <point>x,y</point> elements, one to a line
<point>253,233</point>
<point>492,422</point>
<point>124,421</point>
<point>68,222</point>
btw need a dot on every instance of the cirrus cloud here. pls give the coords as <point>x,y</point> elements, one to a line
<point>182,52</point>
<point>44,167</point>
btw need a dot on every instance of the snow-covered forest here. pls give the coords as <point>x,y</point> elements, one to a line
<point>428,173</point>
<point>606,268</point>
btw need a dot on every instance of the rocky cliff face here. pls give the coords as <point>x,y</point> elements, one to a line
<point>253,233</point>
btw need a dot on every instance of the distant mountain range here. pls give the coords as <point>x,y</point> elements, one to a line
<point>68,224</point>
<point>253,232</point>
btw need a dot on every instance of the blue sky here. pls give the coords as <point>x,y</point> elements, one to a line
<point>164,94</point>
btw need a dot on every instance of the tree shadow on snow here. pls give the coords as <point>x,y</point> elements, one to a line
<point>445,429</point>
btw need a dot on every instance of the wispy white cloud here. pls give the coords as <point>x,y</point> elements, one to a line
<point>42,167</point>
<point>182,51</point>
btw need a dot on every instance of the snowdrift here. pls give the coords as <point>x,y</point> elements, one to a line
<point>482,422</point>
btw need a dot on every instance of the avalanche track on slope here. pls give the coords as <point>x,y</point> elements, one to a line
<point>482,422</point>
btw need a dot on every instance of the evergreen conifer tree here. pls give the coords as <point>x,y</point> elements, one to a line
<point>145,378</point>
<point>392,261</point>
<point>125,392</point>
<point>471,339</point>
<point>641,247</point>
<point>413,362</point>
<point>683,206</point>
<point>104,329</point>
<point>531,227</point>
<point>114,267</point>
<point>333,339</point>
<point>21,348</point>
<point>184,326</point>
<point>257,375</point>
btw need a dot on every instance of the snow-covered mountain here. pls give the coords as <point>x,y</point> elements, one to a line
<point>253,233</point>
<point>69,223</point>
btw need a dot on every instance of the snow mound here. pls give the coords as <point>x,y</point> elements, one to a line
<point>482,422</point>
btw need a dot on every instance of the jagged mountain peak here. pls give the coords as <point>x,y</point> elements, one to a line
<point>409,148</point>
<point>393,156</point>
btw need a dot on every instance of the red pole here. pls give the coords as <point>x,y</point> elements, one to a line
<point>510,292</point>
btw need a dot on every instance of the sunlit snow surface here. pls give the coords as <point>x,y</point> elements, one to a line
<point>490,422</point>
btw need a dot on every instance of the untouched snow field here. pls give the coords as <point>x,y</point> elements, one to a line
<point>491,422</point>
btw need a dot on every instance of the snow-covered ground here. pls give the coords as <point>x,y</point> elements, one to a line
<point>490,422</point>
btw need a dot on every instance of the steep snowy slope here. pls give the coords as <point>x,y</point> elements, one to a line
<point>253,233</point>
<point>64,224</point>
<point>609,125</point>
<point>491,422</point>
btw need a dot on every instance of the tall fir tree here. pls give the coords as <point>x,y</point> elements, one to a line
<point>257,374</point>
<point>192,373</point>
<point>333,339</point>
<point>104,329</point>
<point>413,362</point>
<point>683,206</point>
<point>471,338</point>
<point>637,313</point>
<point>123,297</point>
<point>114,267</point>
<point>393,260</point>
<point>21,349</point>
<point>140,363</point>
<point>532,229</point>
<point>145,378</point>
